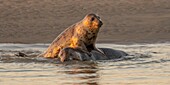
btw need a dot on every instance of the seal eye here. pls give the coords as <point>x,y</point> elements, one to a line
<point>92,19</point>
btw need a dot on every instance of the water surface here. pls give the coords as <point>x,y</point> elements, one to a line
<point>147,64</point>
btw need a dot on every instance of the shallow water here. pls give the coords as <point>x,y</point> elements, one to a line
<point>147,64</point>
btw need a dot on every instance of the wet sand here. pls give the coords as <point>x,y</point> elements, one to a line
<point>146,64</point>
<point>125,21</point>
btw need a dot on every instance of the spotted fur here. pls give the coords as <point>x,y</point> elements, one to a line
<point>81,35</point>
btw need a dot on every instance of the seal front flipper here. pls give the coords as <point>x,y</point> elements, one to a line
<point>100,51</point>
<point>79,44</point>
<point>92,47</point>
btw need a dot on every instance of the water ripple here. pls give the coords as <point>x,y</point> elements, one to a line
<point>145,63</point>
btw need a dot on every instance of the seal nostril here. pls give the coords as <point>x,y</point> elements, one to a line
<point>101,23</point>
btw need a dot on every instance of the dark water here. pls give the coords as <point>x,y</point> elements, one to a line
<point>148,64</point>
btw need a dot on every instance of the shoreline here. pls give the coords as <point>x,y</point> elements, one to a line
<point>98,42</point>
<point>46,44</point>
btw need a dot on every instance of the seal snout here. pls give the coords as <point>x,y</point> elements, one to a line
<point>100,23</point>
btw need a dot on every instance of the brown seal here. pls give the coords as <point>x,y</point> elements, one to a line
<point>81,35</point>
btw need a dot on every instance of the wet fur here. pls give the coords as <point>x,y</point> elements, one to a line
<point>81,35</point>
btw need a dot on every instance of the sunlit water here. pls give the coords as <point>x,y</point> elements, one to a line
<point>147,64</point>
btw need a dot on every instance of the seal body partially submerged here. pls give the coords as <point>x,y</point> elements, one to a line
<point>68,54</point>
<point>81,35</point>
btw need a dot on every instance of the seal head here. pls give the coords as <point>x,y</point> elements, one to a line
<point>92,21</point>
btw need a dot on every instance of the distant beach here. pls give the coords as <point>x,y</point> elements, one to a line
<point>125,21</point>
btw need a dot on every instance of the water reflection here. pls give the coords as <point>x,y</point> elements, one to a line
<point>147,64</point>
<point>82,73</point>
